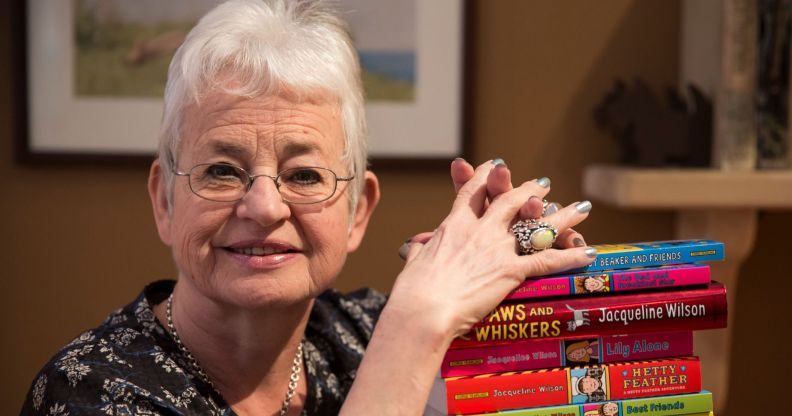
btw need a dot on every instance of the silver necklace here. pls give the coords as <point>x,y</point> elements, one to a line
<point>293,379</point>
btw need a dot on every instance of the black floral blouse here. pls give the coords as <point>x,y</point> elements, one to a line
<point>130,365</point>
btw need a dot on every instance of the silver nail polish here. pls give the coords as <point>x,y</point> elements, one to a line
<point>498,161</point>
<point>552,208</point>
<point>544,182</point>
<point>583,207</point>
<point>404,249</point>
<point>591,252</point>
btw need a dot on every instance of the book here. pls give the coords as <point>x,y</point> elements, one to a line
<point>634,279</point>
<point>681,404</point>
<point>579,385</point>
<point>548,353</point>
<point>656,253</point>
<point>683,309</point>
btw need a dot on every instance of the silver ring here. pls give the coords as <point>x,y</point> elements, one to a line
<point>533,236</point>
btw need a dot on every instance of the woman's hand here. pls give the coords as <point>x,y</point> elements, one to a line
<point>498,182</point>
<point>459,273</point>
<point>453,277</point>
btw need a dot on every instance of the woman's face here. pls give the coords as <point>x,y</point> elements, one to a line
<point>260,250</point>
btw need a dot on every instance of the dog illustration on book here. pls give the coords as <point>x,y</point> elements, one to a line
<point>580,319</point>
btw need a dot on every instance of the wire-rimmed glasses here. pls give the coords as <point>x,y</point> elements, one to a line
<point>223,182</point>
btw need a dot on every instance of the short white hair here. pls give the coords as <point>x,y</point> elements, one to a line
<point>263,46</point>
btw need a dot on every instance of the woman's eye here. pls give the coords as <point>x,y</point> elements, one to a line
<point>222,172</point>
<point>303,176</point>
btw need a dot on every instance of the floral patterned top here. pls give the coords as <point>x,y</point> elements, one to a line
<point>130,365</point>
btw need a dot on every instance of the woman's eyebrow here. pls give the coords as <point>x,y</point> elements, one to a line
<point>229,149</point>
<point>296,148</point>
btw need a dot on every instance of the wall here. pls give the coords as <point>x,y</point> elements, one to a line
<point>79,241</point>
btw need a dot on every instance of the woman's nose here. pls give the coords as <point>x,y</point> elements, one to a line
<point>263,203</point>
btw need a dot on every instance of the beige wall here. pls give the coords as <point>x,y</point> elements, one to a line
<point>79,241</point>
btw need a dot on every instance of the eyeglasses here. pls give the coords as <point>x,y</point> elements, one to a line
<point>224,182</point>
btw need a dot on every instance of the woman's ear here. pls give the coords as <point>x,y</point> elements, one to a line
<point>158,193</point>
<point>365,207</point>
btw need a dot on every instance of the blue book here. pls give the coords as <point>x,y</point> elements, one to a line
<point>656,253</point>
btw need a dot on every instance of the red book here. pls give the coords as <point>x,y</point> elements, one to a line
<point>589,384</point>
<point>672,310</point>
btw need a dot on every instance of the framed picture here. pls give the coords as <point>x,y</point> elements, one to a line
<point>96,71</point>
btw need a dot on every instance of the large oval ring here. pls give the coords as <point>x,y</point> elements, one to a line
<point>533,236</point>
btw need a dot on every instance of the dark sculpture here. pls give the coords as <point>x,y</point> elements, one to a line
<point>656,134</point>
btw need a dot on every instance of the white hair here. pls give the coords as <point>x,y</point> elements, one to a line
<point>263,46</point>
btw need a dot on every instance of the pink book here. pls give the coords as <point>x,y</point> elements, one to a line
<point>641,278</point>
<point>552,353</point>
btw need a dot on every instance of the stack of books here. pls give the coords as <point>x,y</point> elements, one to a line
<point>626,349</point>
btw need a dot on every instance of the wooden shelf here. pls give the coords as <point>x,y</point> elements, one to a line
<point>688,188</point>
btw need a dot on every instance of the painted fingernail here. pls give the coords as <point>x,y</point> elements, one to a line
<point>583,207</point>
<point>552,208</point>
<point>578,242</point>
<point>544,182</point>
<point>404,249</point>
<point>498,161</point>
<point>591,252</point>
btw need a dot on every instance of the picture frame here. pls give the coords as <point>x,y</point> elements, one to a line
<point>62,127</point>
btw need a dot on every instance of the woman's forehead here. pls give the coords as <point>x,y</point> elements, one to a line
<point>238,125</point>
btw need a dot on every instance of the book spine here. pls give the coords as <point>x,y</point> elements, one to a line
<point>619,257</point>
<point>613,281</point>
<point>549,353</point>
<point>682,310</point>
<point>581,385</point>
<point>683,404</point>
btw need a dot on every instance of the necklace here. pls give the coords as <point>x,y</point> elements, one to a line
<point>294,378</point>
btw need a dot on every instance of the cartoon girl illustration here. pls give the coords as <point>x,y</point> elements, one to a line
<point>592,284</point>
<point>588,385</point>
<point>583,351</point>
<point>608,409</point>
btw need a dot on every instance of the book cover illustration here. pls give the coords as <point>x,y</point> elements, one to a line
<point>549,353</point>
<point>635,279</point>
<point>579,385</point>
<point>657,253</point>
<point>576,316</point>
<point>682,404</point>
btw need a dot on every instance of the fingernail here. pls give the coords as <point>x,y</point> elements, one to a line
<point>498,161</point>
<point>459,159</point>
<point>404,249</point>
<point>583,207</point>
<point>591,252</point>
<point>578,242</point>
<point>544,182</point>
<point>552,208</point>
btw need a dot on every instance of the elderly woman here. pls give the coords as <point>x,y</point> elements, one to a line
<point>261,191</point>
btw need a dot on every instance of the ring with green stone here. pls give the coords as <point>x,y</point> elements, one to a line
<point>533,236</point>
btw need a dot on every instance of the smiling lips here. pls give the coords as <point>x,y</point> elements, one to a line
<point>258,254</point>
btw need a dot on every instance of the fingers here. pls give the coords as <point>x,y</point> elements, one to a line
<point>499,179</point>
<point>532,208</point>
<point>570,238</point>
<point>505,206</point>
<point>472,195</point>
<point>416,241</point>
<point>461,173</point>
<point>553,261</point>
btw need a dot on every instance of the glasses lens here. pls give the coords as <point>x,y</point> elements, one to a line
<point>307,185</point>
<point>218,182</point>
